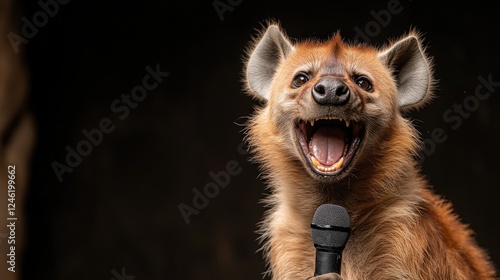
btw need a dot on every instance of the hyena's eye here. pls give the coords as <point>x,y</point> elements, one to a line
<point>299,80</point>
<point>364,83</point>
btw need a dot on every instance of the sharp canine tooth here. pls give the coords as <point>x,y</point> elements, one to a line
<point>347,122</point>
<point>339,163</point>
<point>315,162</point>
<point>312,122</point>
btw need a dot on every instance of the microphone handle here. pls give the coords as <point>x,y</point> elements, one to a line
<point>327,262</point>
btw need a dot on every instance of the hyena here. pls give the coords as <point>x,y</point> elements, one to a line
<point>331,129</point>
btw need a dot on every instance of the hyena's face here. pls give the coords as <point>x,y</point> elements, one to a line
<point>331,101</point>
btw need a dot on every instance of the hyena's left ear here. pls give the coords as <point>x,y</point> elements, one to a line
<point>263,60</point>
<point>412,71</point>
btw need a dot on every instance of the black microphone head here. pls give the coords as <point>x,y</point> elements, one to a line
<point>330,227</point>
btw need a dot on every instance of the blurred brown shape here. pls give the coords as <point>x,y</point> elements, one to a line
<point>17,136</point>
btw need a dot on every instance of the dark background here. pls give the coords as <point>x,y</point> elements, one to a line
<point>118,209</point>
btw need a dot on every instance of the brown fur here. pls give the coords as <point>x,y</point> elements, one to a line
<point>400,228</point>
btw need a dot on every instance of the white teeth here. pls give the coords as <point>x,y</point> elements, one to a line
<point>347,122</point>
<point>332,168</point>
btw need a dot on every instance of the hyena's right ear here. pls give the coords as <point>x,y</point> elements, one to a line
<point>412,71</point>
<point>264,58</point>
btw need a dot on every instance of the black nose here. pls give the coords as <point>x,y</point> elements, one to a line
<point>330,91</point>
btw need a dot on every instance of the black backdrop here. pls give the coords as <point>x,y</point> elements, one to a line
<point>116,214</point>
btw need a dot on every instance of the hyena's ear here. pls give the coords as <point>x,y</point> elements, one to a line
<point>412,71</point>
<point>263,60</point>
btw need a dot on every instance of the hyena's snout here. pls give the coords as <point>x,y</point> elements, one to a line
<point>330,91</point>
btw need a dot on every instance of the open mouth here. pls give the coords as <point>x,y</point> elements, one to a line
<point>329,144</point>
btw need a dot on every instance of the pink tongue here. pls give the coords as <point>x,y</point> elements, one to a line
<point>327,145</point>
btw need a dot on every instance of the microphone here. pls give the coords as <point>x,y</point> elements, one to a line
<point>330,231</point>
